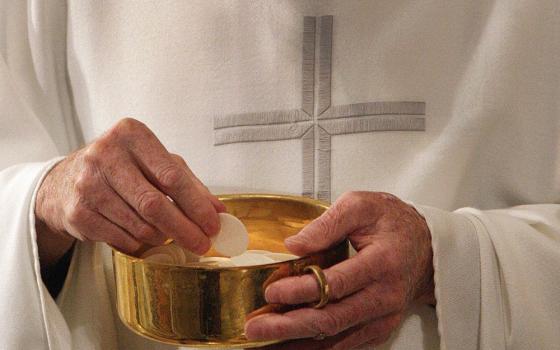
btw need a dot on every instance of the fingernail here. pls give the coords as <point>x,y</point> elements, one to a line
<point>255,327</point>
<point>291,240</point>
<point>252,331</point>
<point>221,207</point>
<point>211,228</point>
<point>270,295</point>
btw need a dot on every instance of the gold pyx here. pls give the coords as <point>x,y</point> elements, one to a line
<point>207,306</point>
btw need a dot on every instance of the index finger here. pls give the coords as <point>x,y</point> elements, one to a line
<point>154,207</point>
<point>160,167</point>
<point>368,304</point>
<point>373,333</point>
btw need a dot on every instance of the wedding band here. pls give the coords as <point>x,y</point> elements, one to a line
<point>323,286</point>
<point>320,336</point>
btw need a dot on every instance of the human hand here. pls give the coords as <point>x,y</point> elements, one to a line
<point>370,292</point>
<point>116,190</point>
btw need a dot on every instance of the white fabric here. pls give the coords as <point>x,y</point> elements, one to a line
<point>488,72</point>
<point>34,321</point>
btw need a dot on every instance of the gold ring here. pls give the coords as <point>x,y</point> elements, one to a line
<point>323,285</point>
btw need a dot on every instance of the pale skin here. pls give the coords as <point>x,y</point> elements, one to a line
<point>118,190</point>
<point>370,292</point>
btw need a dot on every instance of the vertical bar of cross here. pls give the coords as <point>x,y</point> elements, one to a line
<point>318,120</point>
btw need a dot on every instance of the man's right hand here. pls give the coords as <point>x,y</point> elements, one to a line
<point>117,190</point>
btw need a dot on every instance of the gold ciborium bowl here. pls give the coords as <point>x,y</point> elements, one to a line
<point>207,306</point>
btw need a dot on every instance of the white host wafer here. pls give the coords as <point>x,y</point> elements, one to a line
<point>189,256</point>
<point>176,254</point>
<point>249,259</point>
<point>233,239</point>
<point>280,257</point>
<point>221,262</point>
<point>161,259</point>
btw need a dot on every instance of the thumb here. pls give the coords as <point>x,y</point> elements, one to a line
<point>330,228</point>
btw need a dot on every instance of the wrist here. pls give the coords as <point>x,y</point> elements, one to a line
<point>45,203</point>
<point>52,245</point>
<point>425,285</point>
<point>425,292</point>
<point>52,241</point>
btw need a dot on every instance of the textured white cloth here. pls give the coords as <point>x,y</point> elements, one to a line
<point>488,73</point>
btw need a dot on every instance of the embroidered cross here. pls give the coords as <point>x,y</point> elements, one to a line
<point>317,121</point>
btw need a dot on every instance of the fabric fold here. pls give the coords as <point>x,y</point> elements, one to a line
<point>36,322</point>
<point>494,281</point>
<point>457,277</point>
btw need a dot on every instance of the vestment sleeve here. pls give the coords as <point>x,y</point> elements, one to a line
<point>36,128</point>
<point>497,284</point>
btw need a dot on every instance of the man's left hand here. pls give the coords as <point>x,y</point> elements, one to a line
<point>370,292</point>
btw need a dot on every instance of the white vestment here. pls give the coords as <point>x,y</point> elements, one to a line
<point>447,104</point>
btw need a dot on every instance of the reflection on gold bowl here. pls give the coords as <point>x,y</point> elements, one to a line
<point>208,306</point>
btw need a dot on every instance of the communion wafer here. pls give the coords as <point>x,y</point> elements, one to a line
<point>157,250</point>
<point>248,259</point>
<point>160,255</point>
<point>189,256</point>
<point>221,262</point>
<point>280,257</point>
<point>176,254</point>
<point>233,239</point>
<point>160,258</point>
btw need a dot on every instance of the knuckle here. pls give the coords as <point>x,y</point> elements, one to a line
<point>388,197</point>
<point>389,203</point>
<point>85,183</point>
<point>129,124</point>
<point>330,325</point>
<point>391,259</point>
<point>77,215</point>
<point>93,153</point>
<point>352,199</point>
<point>178,159</point>
<point>146,233</point>
<point>339,283</point>
<point>171,176</point>
<point>149,204</point>
<point>126,128</point>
